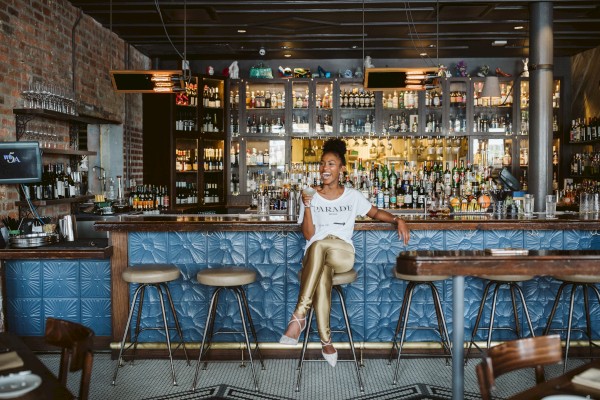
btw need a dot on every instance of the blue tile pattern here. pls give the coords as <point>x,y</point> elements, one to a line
<point>80,290</point>
<point>76,290</point>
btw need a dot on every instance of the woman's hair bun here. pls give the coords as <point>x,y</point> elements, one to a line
<point>336,146</point>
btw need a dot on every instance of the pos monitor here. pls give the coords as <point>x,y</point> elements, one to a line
<point>20,162</point>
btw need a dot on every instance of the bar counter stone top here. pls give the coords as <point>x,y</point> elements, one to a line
<point>77,249</point>
<point>278,223</point>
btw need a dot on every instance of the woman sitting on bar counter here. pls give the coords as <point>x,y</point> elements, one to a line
<point>327,219</point>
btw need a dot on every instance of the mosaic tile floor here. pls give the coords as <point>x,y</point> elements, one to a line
<point>425,378</point>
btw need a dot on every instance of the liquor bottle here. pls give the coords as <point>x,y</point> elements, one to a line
<point>455,176</point>
<point>392,178</point>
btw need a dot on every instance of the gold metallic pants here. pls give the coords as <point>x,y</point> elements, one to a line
<point>322,259</point>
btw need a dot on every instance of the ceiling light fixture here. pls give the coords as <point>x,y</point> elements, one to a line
<point>491,87</point>
<point>423,54</point>
<point>157,81</point>
<point>144,81</point>
<point>518,27</point>
<point>287,55</point>
<point>241,31</point>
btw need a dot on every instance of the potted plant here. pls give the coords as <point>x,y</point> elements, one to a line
<point>12,225</point>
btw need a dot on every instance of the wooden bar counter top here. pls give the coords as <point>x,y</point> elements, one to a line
<point>277,222</point>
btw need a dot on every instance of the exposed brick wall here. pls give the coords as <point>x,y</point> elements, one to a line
<point>35,43</point>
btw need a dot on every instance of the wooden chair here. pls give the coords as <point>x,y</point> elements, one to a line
<point>76,343</point>
<point>516,354</point>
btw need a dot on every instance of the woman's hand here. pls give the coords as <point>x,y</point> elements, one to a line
<point>307,195</point>
<point>403,231</point>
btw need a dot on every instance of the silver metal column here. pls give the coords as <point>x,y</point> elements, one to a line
<point>458,338</point>
<point>541,42</point>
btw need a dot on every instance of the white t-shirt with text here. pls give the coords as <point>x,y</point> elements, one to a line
<point>336,217</point>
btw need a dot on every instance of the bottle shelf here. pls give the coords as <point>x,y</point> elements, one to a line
<point>594,141</point>
<point>68,152</point>
<point>49,114</point>
<point>41,203</point>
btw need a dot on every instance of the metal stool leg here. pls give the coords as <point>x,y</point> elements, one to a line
<point>554,307</point>
<point>595,290</point>
<point>239,299</point>
<point>568,344</point>
<point>525,310</point>
<point>588,323</point>
<point>137,320</point>
<point>122,347</point>
<point>167,333</point>
<point>245,300</point>
<point>211,328</point>
<point>304,346</point>
<point>349,331</point>
<point>478,319</point>
<point>513,299</point>
<point>208,322</point>
<point>491,328</point>
<point>176,319</point>
<point>446,342</point>
<point>403,334</point>
<point>399,324</point>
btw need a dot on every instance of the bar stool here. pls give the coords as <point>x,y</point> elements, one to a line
<point>338,280</point>
<point>575,281</point>
<point>415,281</point>
<point>157,276</point>
<point>496,282</point>
<point>230,278</point>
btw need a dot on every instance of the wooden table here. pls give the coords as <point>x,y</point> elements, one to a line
<point>461,263</point>
<point>50,389</point>
<point>561,385</point>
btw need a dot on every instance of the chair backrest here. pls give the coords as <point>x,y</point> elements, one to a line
<point>76,342</point>
<point>516,354</point>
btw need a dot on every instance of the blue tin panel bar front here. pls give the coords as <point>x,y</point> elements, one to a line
<point>373,300</point>
<point>78,290</point>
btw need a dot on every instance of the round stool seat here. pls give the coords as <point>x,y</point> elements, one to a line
<point>339,279</point>
<point>151,273</point>
<point>508,278</point>
<point>579,278</point>
<point>420,278</point>
<point>229,276</point>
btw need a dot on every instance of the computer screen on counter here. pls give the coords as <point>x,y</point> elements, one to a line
<point>20,162</point>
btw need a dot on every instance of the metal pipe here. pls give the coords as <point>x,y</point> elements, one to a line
<point>540,101</point>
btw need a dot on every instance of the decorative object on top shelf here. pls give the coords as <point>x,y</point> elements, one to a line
<point>484,71</point>
<point>368,63</point>
<point>285,72</point>
<point>234,70</point>
<point>499,72</point>
<point>321,73</point>
<point>461,69</point>
<point>443,71</point>
<point>261,71</point>
<point>301,72</point>
<point>49,96</point>
<point>525,73</point>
